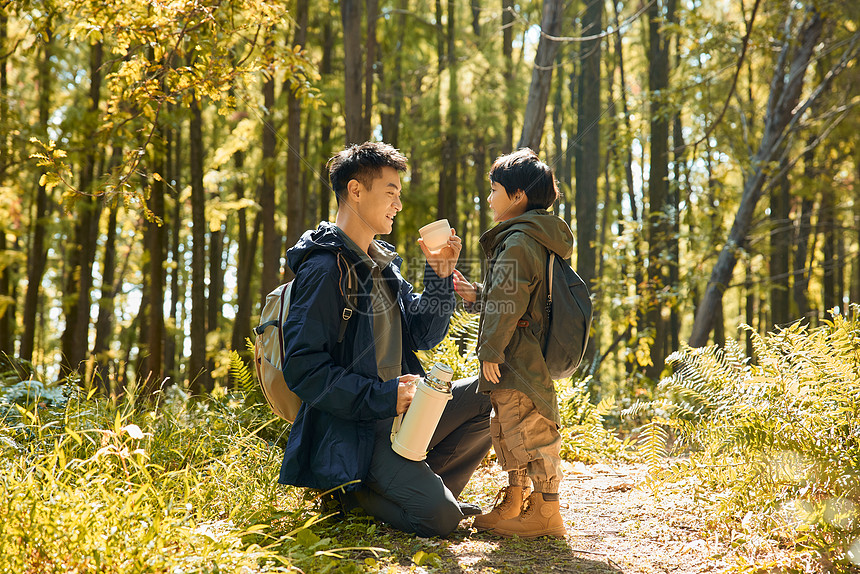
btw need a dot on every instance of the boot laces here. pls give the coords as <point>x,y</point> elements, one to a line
<point>528,507</point>
<point>503,499</point>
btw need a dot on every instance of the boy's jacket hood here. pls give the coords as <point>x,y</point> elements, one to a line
<point>544,227</point>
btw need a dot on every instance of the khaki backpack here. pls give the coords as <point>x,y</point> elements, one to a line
<point>269,354</point>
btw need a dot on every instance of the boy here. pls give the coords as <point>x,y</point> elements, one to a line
<point>512,303</point>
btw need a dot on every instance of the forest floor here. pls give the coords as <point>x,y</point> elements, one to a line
<point>614,524</point>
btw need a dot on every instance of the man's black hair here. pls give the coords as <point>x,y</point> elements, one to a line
<point>362,162</point>
<point>523,170</point>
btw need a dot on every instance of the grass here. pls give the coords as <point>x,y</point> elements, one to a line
<point>185,485</point>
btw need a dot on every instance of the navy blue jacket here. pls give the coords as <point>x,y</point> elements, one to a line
<point>331,440</point>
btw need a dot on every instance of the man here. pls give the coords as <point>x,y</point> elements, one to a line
<point>355,372</point>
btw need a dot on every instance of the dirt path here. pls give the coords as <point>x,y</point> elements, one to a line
<point>613,526</point>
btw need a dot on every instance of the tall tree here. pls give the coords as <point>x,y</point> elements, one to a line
<point>82,250</point>
<point>177,255</point>
<point>326,124</point>
<point>508,57</point>
<point>781,115</point>
<point>197,373</point>
<point>352,101</point>
<point>588,143</point>
<point>7,298</point>
<point>295,191</point>
<point>660,15</point>
<point>153,369</point>
<point>37,257</point>
<point>780,248</point>
<point>108,291</point>
<point>271,240</point>
<point>446,206</point>
<point>535,114</point>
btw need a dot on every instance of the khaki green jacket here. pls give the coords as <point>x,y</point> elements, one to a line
<point>514,292</point>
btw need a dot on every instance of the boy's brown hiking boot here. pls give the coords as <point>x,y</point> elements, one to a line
<point>541,517</point>
<point>509,506</point>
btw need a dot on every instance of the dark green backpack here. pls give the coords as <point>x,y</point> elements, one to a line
<point>569,312</point>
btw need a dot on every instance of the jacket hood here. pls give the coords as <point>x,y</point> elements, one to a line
<point>544,227</point>
<point>325,237</point>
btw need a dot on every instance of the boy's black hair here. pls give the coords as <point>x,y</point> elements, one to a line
<point>362,162</point>
<point>523,170</point>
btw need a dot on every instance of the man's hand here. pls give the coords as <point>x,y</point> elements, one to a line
<point>491,371</point>
<point>464,288</point>
<point>444,260</point>
<point>405,392</point>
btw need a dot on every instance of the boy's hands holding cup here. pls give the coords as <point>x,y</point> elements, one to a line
<point>441,247</point>
<point>464,288</point>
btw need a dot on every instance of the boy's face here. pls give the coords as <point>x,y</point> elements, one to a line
<point>502,206</point>
<point>378,204</point>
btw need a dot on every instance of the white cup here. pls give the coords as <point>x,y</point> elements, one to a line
<point>436,234</point>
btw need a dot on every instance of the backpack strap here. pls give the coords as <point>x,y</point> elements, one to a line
<point>350,290</point>
<point>258,330</point>
<point>550,265</point>
<point>549,281</point>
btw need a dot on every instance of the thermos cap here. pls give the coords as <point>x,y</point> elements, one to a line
<point>442,372</point>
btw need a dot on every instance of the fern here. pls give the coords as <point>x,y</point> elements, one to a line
<point>245,381</point>
<point>769,432</point>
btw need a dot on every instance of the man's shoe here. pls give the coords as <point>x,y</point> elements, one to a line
<point>540,518</point>
<point>469,509</point>
<point>508,504</point>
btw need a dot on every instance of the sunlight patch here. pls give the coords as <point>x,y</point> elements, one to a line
<point>854,552</point>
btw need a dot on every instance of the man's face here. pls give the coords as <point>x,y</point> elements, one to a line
<point>378,205</point>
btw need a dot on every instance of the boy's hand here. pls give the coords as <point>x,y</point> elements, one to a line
<point>405,392</point>
<point>464,288</point>
<point>444,260</point>
<point>491,371</point>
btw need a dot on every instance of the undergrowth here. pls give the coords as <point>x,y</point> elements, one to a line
<point>180,485</point>
<point>770,444</point>
<point>189,484</point>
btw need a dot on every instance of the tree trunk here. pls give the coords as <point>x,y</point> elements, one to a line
<point>351,17</point>
<point>198,377</point>
<point>215,304</point>
<point>854,283</point>
<point>447,197</point>
<point>827,224</point>
<point>271,239</point>
<point>104,322</point>
<point>391,98</point>
<point>369,64</point>
<point>659,229</point>
<point>38,255</point>
<point>325,125</point>
<point>153,371</point>
<point>295,191</point>
<point>171,368</point>
<point>7,298</point>
<point>508,57</point>
<point>588,148</point>
<point>780,250</point>
<point>82,251</point>
<point>781,108</point>
<point>854,287</point>
<point>242,322</point>
<point>535,114</point>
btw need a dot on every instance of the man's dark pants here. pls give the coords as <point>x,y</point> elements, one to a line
<point>421,497</point>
